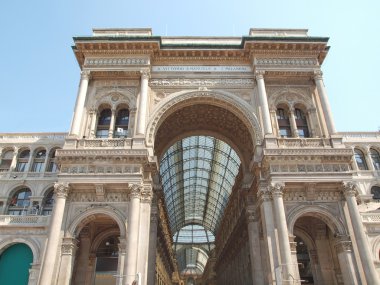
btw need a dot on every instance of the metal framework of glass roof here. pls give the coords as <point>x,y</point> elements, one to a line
<point>197,174</point>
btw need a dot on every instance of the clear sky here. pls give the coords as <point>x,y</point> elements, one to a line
<point>39,75</point>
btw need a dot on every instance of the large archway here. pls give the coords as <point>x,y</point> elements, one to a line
<point>97,259</point>
<point>204,148</point>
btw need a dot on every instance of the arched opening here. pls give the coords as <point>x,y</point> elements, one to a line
<point>19,202</point>
<point>301,122</point>
<point>121,123</point>
<point>283,122</point>
<point>97,256</point>
<point>15,262</point>
<point>22,161</point>
<point>360,159</point>
<point>39,160</point>
<point>52,162</point>
<point>6,160</point>
<point>317,251</point>
<point>203,150</point>
<point>375,158</point>
<point>104,122</point>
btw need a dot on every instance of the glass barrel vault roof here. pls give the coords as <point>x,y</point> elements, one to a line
<point>197,175</point>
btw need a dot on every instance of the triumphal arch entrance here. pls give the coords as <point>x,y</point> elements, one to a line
<point>204,161</point>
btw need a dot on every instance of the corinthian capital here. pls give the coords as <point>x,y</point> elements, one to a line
<point>259,74</point>
<point>85,74</point>
<point>61,189</point>
<point>277,189</point>
<point>145,73</point>
<point>146,194</point>
<point>318,74</point>
<point>135,191</point>
<point>350,189</point>
<point>264,194</point>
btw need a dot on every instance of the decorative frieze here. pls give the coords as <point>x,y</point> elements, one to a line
<point>100,169</point>
<point>130,61</point>
<point>92,197</point>
<point>202,68</point>
<point>308,168</point>
<point>294,62</point>
<point>309,142</point>
<point>209,82</point>
<point>112,143</point>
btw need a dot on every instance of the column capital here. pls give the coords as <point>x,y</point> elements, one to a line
<point>61,189</point>
<point>259,74</point>
<point>342,243</point>
<point>277,189</point>
<point>318,75</point>
<point>349,189</point>
<point>135,191</point>
<point>264,194</point>
<point>146,194</point>
<point>69,246</point>
<point>145,73</point>
<point>85,74</point>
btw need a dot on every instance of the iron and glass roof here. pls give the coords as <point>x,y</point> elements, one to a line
<point>197,174</point>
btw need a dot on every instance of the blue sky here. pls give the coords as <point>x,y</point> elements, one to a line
<point>39,75</point>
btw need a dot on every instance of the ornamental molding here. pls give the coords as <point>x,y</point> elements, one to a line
<point>223,99</point>
<point>286,62</point>
<point>114,96</point>
<point>110,169</point>
<point>93,197</point>
<point>115,61</point>
<point>207,82</point>
<point>116,83</point>
<point>289,96</point>
<point>202,68</point>
<point>309,152</point>
<point>309,168</point>
<point>62,153</point>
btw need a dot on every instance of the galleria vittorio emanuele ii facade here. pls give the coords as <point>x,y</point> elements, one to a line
<point>193,161</point>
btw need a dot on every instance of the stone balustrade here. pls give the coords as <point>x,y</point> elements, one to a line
<point>39,221</point>
<point>371,217</point>
<point>303,142</point>
<point>104,143</point>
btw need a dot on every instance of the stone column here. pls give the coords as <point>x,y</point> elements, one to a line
<point>263,102</point>
<point>152,245</point>
<point>79,105</point>
<point>343,248</point>
<point>92,131</point>
<point>368,158</point>
<point>14,159</point>
<point>143,102</point>
<point>143,253</point>
<point>324,101</point>
<point>130,265</point>
<point>121,262</point>
<point>272,257</point>
<point>282,230</point>
<point>51,249</point>
<point>293,124</point>
<point>254,247</point>
<point>83,258</point>
<point>112,124</point>
<point>68,249</point>
<point>349,191</point>
<point>273,114</point>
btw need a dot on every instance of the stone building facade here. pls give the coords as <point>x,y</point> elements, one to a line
<point>193,160</point>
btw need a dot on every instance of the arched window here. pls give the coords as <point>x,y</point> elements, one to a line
<point>48,202</point>
<point>375,190</point>
<point>104,122</point>
<point>121,125</point>
<point>19,203</point>
<point>283,123</point>
<point>52,164</point>
<point>23,160</point>
<point>360,160</point>
<point>301,122</point>
<point>6,161</point>
<point>375,158</point>
<point>39,161</point>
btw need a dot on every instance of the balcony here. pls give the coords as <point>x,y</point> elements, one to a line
<point>29,221</point>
